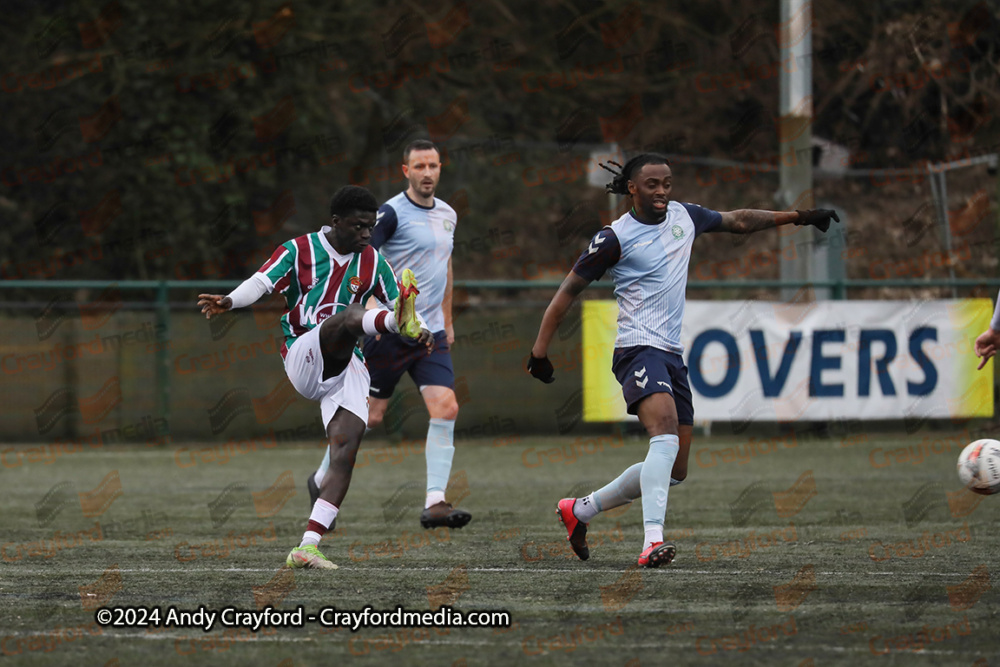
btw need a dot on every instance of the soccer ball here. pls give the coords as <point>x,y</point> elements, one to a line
<point>979,467</point>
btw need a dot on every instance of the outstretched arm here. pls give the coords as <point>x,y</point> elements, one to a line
<point>247,294</point>
<point>539,365</point>
<point>274,271</point>
<point>749,220</point>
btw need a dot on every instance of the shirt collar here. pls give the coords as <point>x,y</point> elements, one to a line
<point>420,206</point>
<point>323,231</point>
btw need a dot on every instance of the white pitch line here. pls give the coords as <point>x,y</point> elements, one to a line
<point>583,569</point>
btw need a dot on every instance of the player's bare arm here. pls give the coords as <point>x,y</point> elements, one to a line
<point>571,287</point>
<point>246,294</point>
<point>749,220</point>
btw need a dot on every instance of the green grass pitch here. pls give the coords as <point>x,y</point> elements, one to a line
<point>790,551</point>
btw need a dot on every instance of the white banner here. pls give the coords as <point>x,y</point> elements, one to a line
<point>758,361</point>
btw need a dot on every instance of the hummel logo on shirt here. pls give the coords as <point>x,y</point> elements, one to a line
<point>591,249</point>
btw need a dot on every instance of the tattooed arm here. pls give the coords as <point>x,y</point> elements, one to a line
<point>748,220</point>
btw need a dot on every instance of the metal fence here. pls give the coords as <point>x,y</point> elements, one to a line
<point>89,361</point>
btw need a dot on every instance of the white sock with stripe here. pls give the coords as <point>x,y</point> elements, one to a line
<point>377,321</point>
<point>323,514</point>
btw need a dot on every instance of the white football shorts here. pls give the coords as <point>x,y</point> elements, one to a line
<point>349,390</point>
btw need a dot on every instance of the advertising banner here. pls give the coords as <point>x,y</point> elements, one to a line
<point>761,361</point>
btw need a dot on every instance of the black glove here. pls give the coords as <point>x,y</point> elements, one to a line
<point>818,217</point>
<point>541,368</point>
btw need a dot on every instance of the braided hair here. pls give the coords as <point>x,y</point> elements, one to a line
<point>619,184</point>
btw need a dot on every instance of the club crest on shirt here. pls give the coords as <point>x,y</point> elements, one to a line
<point>448,225</point>
<point>677,232</point>
<point>354,285</point>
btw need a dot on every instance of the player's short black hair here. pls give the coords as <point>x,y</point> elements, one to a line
<point>352,198</point>
<point>419,145</point>
<point>619,184</point>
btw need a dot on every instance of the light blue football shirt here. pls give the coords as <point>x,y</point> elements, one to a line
<point>649,265</point>
<point>419,238</point>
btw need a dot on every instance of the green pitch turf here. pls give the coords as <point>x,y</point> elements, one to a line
<point>860,550</point>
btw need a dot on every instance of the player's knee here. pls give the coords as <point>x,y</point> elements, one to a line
<point>344,459</point>
<point>376,411</point>
<point>449,410</point>
<point>664,425</point>
<point>353,316</point>
<point>442,405</point>
<point>344,451</point>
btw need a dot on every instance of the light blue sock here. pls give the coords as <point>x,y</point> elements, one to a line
<point>323,467</point>
<point>440,450</point>
<point>654,481</point>
<point>620,491</point>
<point>623,490</point>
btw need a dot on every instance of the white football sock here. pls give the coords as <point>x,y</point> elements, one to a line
<point>585,508</point>
<point>654,534</point>
<point>323,513</point>
<point>321,470</point>
<point>433,498</point>
<point>377,321</point>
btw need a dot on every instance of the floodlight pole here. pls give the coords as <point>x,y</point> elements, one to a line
<point>795,137</point>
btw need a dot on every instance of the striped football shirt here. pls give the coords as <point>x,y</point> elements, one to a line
<point>318,282</point>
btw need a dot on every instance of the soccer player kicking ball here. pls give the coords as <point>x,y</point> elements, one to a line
<point>647,252</point>
<point>417,230</point>
<point>325,278</point>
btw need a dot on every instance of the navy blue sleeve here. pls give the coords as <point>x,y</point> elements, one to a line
<point>603,252</point>
<point>385,226</point>
<point>705,219</point>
